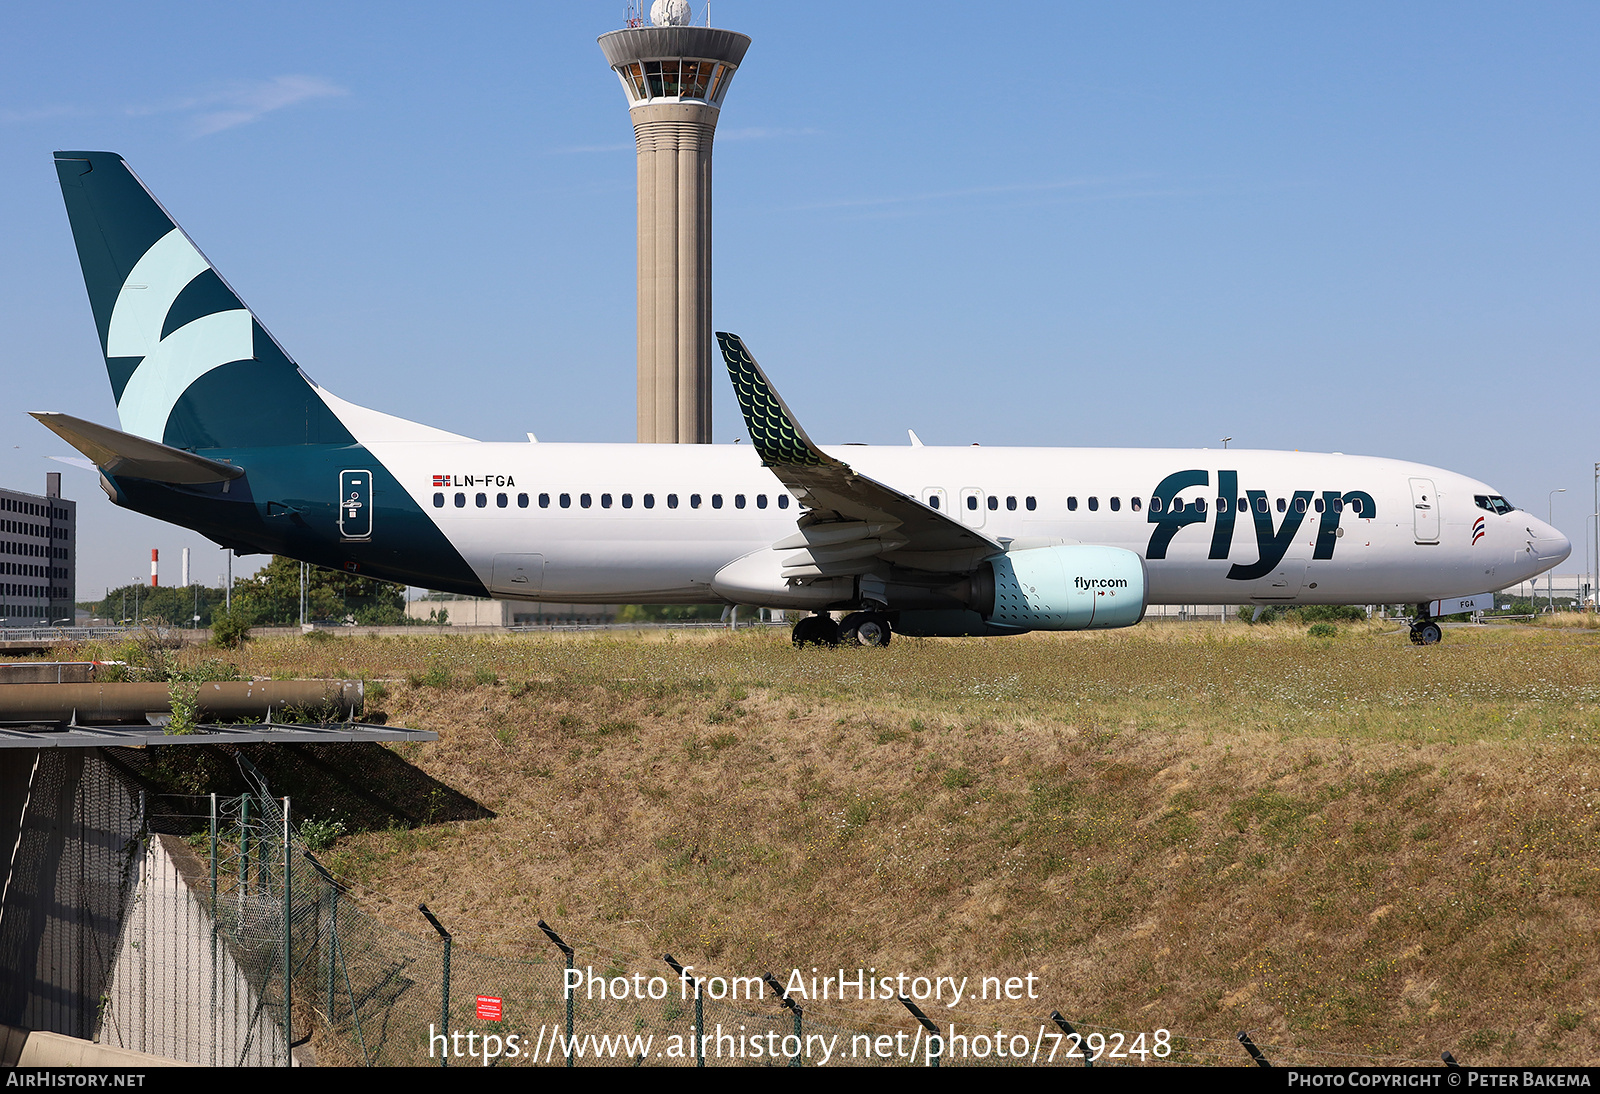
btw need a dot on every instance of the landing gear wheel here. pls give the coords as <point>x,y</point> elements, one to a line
<point>1426,633</point>
<point>866,629</point>
<point>816,630</point>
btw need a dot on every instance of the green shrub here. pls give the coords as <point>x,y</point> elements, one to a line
<point>230,628</point>
<point>185,700</point>
<point>1323,630</point>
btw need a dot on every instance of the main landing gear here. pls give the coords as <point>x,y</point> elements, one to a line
<point>866,629</point>
<point>816,630</point>
<point>858,629</point>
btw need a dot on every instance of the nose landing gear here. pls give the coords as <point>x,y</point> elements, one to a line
<point>1425,632</point>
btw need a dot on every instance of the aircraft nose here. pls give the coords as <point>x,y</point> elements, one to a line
<point>1549,545</point>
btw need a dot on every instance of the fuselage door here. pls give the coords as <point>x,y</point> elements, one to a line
<point>972,500</point>
<point>1425,510</point>
<point>518,576</point>
<point>355,505</point>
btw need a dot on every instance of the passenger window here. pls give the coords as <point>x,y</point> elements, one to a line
<point>972,501</point>
<point>738,501</point>
<point>672,501</point>
<point>438,501</point>
<point>994,502</point>
<point>1011,501</point>
<point>1282,505</point>
<point>783,501</point>
<point>1299,505</point>
<point>481,500</point>
<point>716,501</point>
<point>933,501</point>
<point>605,501</point>
<point>649,501</point>
<point>1319,505</point>
<point>522,501</point>
<point>627,501</point>
<point>1199,505</point>
<point>1222,505</point>
<point>1094,504</point>
<point>1338,505</point>
<point>501,501</point>
<point>586,500</point>
<point>461,501</point>
<point>1031,502</point>
<point>544,501</point>
<point>1072,505</point>
<point>1136,504</point>
<point>1244,505</point>
<point>761,501</point>
<point>1116,504</point>
<point>1356,506</point>
<point>694,501</point>
<point>566,501</point>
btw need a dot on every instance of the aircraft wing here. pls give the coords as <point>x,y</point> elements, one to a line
<point>848,512</point>
<point>117,453</point>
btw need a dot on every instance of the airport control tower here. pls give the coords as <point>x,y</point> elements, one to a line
<point>675,76</point>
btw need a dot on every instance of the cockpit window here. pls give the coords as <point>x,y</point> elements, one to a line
<point>1494,503</point>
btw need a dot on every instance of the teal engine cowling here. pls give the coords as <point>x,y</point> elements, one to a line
<point>1074,588</point>
<point>1063,588</point>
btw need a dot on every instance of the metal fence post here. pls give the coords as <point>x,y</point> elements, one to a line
<point>550,933</point>
<point>213,969</point>
<point>244,844</point>
<point>444,997</point>
<point>699,1011</point>
<point>288,943</point>
<point>927,1024</point>
<point>1066,1027</point>
<point>1255,1053</point>
<point>796,1010</point>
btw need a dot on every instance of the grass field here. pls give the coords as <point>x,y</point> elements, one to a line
<point>1345,845</point>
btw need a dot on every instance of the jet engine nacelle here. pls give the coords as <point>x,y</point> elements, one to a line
<point>1068,588</point>
<point>1059,588</point>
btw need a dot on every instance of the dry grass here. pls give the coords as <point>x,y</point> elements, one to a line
<point>1343,845</point>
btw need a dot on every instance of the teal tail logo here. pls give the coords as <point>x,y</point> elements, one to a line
<point>189,365</point>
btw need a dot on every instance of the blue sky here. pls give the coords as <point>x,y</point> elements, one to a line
<point>1357,227</point>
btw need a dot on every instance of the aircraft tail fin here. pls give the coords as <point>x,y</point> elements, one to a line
<point>190,366</point>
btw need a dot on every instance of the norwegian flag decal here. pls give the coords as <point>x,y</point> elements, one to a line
<point>441,480</point>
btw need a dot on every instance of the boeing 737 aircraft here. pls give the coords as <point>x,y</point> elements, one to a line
<point>222,433</point>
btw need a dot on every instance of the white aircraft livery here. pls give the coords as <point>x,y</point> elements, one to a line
<point>222,433</point>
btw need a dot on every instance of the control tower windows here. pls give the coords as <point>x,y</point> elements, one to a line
<point>704,81</point>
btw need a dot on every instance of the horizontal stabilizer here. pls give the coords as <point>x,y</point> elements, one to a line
<point>122,454</point>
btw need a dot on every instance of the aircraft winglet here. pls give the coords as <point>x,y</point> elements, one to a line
<point>773,428</point>
<point>830,489</point>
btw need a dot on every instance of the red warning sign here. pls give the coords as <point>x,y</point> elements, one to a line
<point>489,1008</point>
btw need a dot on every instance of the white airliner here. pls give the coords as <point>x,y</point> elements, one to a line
<point>222,433</point>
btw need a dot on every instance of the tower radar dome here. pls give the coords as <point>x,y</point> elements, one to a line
<point>670,13</point>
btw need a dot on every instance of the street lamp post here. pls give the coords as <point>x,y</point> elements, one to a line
<point>1550,578</point>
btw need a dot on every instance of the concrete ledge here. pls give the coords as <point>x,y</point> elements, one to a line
<point>32,1048</point>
